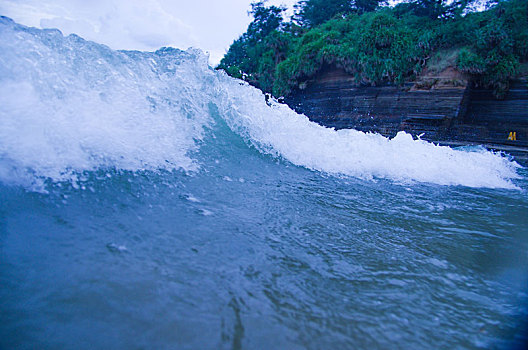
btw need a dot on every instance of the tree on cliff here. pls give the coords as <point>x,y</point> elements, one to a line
<point>311,13</point>
<point>239,58</point>
<point>265,20</point>
<point>254,56</point>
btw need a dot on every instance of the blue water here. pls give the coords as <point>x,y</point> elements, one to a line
<point>150,202</point>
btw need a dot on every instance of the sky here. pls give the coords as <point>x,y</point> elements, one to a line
<point>210,25</point>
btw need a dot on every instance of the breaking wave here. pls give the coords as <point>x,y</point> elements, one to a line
<point>68,105</point>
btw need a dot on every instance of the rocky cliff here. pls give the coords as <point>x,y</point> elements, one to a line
<point>441,107</point>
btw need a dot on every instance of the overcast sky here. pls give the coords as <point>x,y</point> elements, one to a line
<point>210,25</point>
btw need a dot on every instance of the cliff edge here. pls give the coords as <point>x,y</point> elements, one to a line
<point>441,105</point>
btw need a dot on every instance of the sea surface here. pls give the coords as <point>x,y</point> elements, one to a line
<point>148,201</point>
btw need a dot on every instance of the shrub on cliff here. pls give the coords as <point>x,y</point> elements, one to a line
<point>496,46</point>
<point>376,48</point>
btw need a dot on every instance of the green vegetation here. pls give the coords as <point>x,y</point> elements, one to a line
<point>380,45</point>
<point>311,13</point>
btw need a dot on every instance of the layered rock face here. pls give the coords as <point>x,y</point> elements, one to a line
<point>439,107</point>
<point>490,120</point>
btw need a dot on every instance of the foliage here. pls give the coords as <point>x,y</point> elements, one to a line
<point>257,52</point>
<point>373,47</point>
<point>311,13</point>
<point>385,46</point>
<point>266,20</point>
<point>496,45</point>
<point>434,9</point>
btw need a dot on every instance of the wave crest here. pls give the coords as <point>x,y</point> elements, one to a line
<point>68,105</point>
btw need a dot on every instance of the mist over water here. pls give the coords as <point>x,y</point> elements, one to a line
<point>149,201</point>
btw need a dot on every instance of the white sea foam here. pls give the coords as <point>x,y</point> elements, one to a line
<point>68,105</point>
<point>279,131</point>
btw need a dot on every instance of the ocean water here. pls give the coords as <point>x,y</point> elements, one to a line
<point>148,201</point>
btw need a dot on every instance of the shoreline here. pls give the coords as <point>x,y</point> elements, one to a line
<point>453,114</point>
